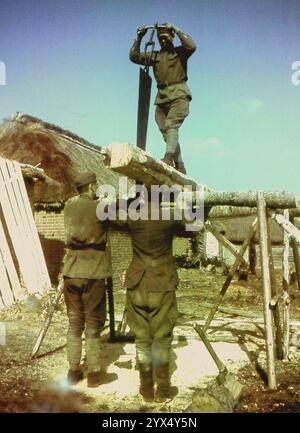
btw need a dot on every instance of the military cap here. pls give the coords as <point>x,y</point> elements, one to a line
<point>165,31</point>
<point>85,179</point>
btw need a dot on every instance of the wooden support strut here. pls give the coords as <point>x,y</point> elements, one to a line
<point>285,286</point>
<point>265,266</point>
<point>222,239</point>
<point>275,308</point>
<point>295,249</point>
<point>231,272</point>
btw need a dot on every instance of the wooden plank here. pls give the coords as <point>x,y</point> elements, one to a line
<point>22,219</point>
<point>265,266</point>
<point>5,290</point>
<point>18,291</point>
<point>285,286</point>
<point>37,247</point>
<point>231,273</point>
<point>16,233</point>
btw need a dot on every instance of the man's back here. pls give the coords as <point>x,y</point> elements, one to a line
<point>87,256</point>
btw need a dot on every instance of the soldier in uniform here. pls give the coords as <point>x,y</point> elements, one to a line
<point>151,305</point>
<point>173,96</point>
<point>86,269</point>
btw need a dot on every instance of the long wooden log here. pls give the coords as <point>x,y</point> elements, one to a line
<point>141,166</point>
<point>280,200</point>
<point>229,212</point>
<point>265,266</point>
<point>231,273</point>
<point>285,286</point>
<point>137,164</point>
<point>222,239</point>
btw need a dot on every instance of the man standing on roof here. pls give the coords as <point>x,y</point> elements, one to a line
<point>86,270</point>
<point>173,96</point>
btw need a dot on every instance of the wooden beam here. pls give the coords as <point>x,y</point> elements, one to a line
<point>280,200</point>
<point>137,164</point>
<point>229,212</point>
<point>142,167</point>
<point>265,266</point>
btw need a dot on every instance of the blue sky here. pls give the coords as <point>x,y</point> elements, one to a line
<point>67,63</point>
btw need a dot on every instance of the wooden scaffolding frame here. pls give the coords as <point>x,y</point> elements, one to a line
<point>276,335</point>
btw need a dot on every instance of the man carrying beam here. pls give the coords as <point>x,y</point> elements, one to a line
<point>86,270</point>
<point>173,96</point>
<point>151,281</point>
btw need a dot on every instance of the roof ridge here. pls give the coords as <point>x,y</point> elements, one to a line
<point>26,118</point>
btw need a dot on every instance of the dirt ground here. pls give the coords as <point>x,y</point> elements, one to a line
<point>40,385</point>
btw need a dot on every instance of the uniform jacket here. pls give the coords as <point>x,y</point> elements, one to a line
<point>168,67</point>
<point>87,255</point>
<point>152,253</point>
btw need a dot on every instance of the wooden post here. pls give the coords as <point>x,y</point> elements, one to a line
<point>295,249</point>
<point>265,268</point>
<point>110,295</point>
<point>231,272</point>
<point>285,282</point>
<point>275,305</point>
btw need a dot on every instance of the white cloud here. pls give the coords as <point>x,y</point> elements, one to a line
<point>250,106</point>
<point>211,145</point>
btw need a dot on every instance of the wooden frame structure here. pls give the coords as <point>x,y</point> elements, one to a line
<point>141,166</point>
<point>276,335</point>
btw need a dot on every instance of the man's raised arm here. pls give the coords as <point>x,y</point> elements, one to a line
<point>135,54</point>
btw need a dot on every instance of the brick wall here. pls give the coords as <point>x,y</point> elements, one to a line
<point>50,224</point>
<point>121,254</point>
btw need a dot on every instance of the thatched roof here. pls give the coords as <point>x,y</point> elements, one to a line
<point>61,154</point>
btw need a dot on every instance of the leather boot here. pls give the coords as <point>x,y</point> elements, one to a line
<point>180,167</point>
<point>146,382</point>
<point>74,376</point>
<point>169,159</point>
<point>94,379</point>
<point>164,389</point>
